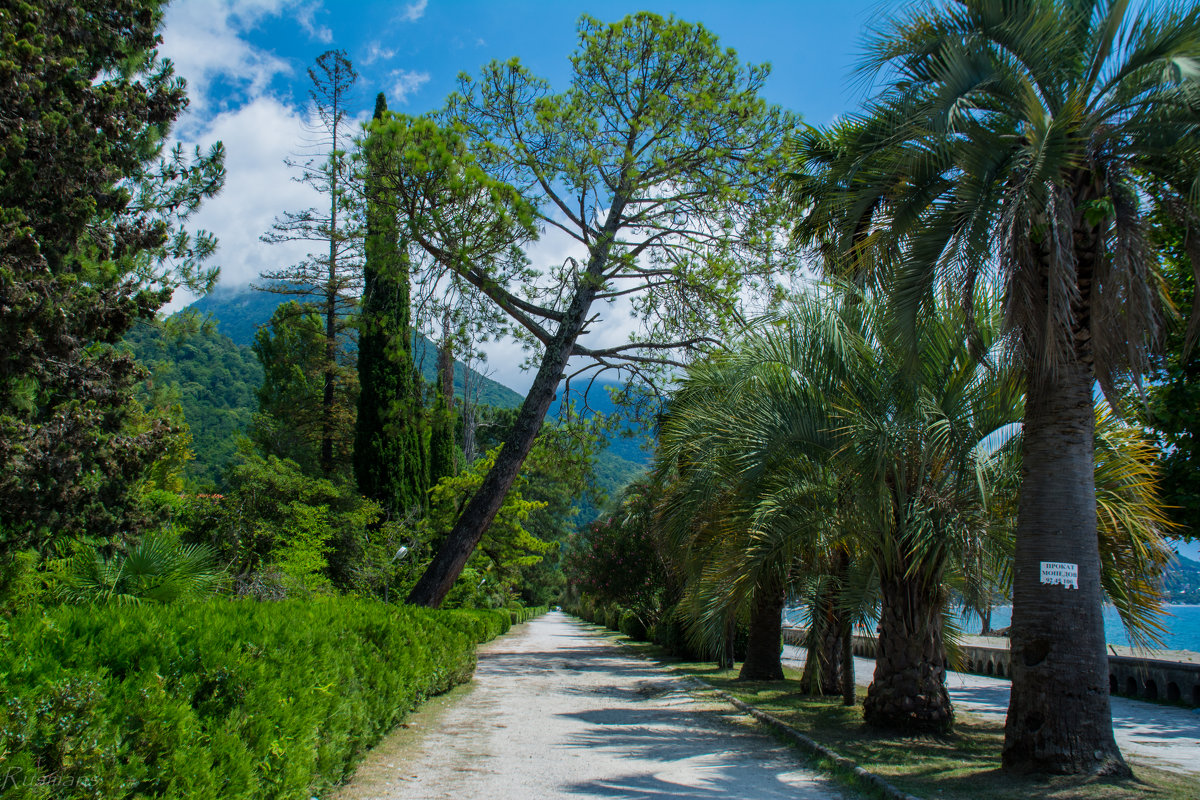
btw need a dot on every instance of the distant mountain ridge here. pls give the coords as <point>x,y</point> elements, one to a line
<point>1182,581</point>
<point>240,312</point>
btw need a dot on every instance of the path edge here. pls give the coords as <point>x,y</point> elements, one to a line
<point>805,742</point>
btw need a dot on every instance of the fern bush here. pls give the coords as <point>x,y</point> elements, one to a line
<point>217,699</point>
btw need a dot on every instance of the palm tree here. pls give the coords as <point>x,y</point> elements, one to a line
<point>745,504</point>
<point>1017,141</point>
<point>823,430</point>
<point>913,427</point>
<point>159,569</point>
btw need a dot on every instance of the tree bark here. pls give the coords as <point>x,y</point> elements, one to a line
<point>908,692</point>
<point>1059,718</point>
<point>848,664</point>
<point>823,664</point>
<point>763,648</point>
<point>729,644</point>
<point>331,294</point>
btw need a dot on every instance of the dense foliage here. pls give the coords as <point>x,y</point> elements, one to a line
<point>224,699</point>
<point>90,210</point>
<point>297,418</point>
<point>1174,391</point>
<point>212,379</point>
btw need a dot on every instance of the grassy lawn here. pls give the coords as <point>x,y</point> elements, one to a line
<point>963,765</point>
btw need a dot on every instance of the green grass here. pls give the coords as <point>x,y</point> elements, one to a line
<point>962,765</point>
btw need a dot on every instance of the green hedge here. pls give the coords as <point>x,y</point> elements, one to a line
<point>482,624</point>
<point>520,615</point>
<point>227,699</point>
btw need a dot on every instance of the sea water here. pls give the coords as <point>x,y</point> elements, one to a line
<point>1182,624</point>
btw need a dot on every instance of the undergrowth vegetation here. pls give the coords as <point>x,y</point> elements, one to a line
<point>224,699</point>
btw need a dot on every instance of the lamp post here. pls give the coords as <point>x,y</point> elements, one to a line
<point>400,554</point>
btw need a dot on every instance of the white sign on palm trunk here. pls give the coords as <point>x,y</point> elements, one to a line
<point>1060,573</point>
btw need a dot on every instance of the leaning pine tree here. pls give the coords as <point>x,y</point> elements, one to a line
<point>656,161</point>
<point>389,459</point>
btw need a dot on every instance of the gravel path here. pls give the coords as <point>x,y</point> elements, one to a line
<point>1167,737</point>
<point>556,711</point>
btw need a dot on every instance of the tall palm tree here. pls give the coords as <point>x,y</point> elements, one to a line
<point>1017,141</point>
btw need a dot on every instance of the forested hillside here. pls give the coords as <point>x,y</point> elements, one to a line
<point>214,380</point>
<point>240,312</point>
<point>214,374</point>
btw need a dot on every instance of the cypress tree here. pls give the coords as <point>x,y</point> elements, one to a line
<point>442,450</point>
<point>327,281</point>
<point>390,464</point>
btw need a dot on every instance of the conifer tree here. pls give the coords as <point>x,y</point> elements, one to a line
<point>92,240</point>
<point>443,460</point>
<point>390,464</point>
<point>329,280</point>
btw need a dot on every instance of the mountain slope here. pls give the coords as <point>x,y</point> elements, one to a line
<point>240,313</point>
<point>217,373</point>
<point>215,380</point>
<point>1181,583</point>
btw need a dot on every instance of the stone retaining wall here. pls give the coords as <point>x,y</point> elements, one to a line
<point>1140,677</point>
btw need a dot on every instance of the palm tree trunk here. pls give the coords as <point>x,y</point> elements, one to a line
<point>823,663</point>
<point>908,692</point>
<point>725,657</point>
<point>763,648</point>
<point>1059,719</point>
<point>847,664</point>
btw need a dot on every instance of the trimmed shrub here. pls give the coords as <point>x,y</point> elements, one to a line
<point>224,699</point>
<point>633,627</point>
<point>612,618</point>
<point>520,615</point>
<point>482,624</point>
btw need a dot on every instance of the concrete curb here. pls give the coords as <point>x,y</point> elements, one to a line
<point>808,744</point>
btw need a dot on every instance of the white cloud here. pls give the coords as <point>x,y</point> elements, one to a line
<point>258,187</point>
<point>414,11</point>
<point>306,16</point>
<point>205,40</point>
<point>406,82</point>
<point>377,52</point>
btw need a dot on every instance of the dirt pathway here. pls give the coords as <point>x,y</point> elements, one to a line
<point>556,711</point>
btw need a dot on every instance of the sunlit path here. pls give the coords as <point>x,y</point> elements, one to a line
<point>559,712</point>
<point>1167,737</point>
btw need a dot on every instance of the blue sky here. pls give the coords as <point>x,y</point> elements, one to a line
<point>245,62</point>
<point>234,51</point>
